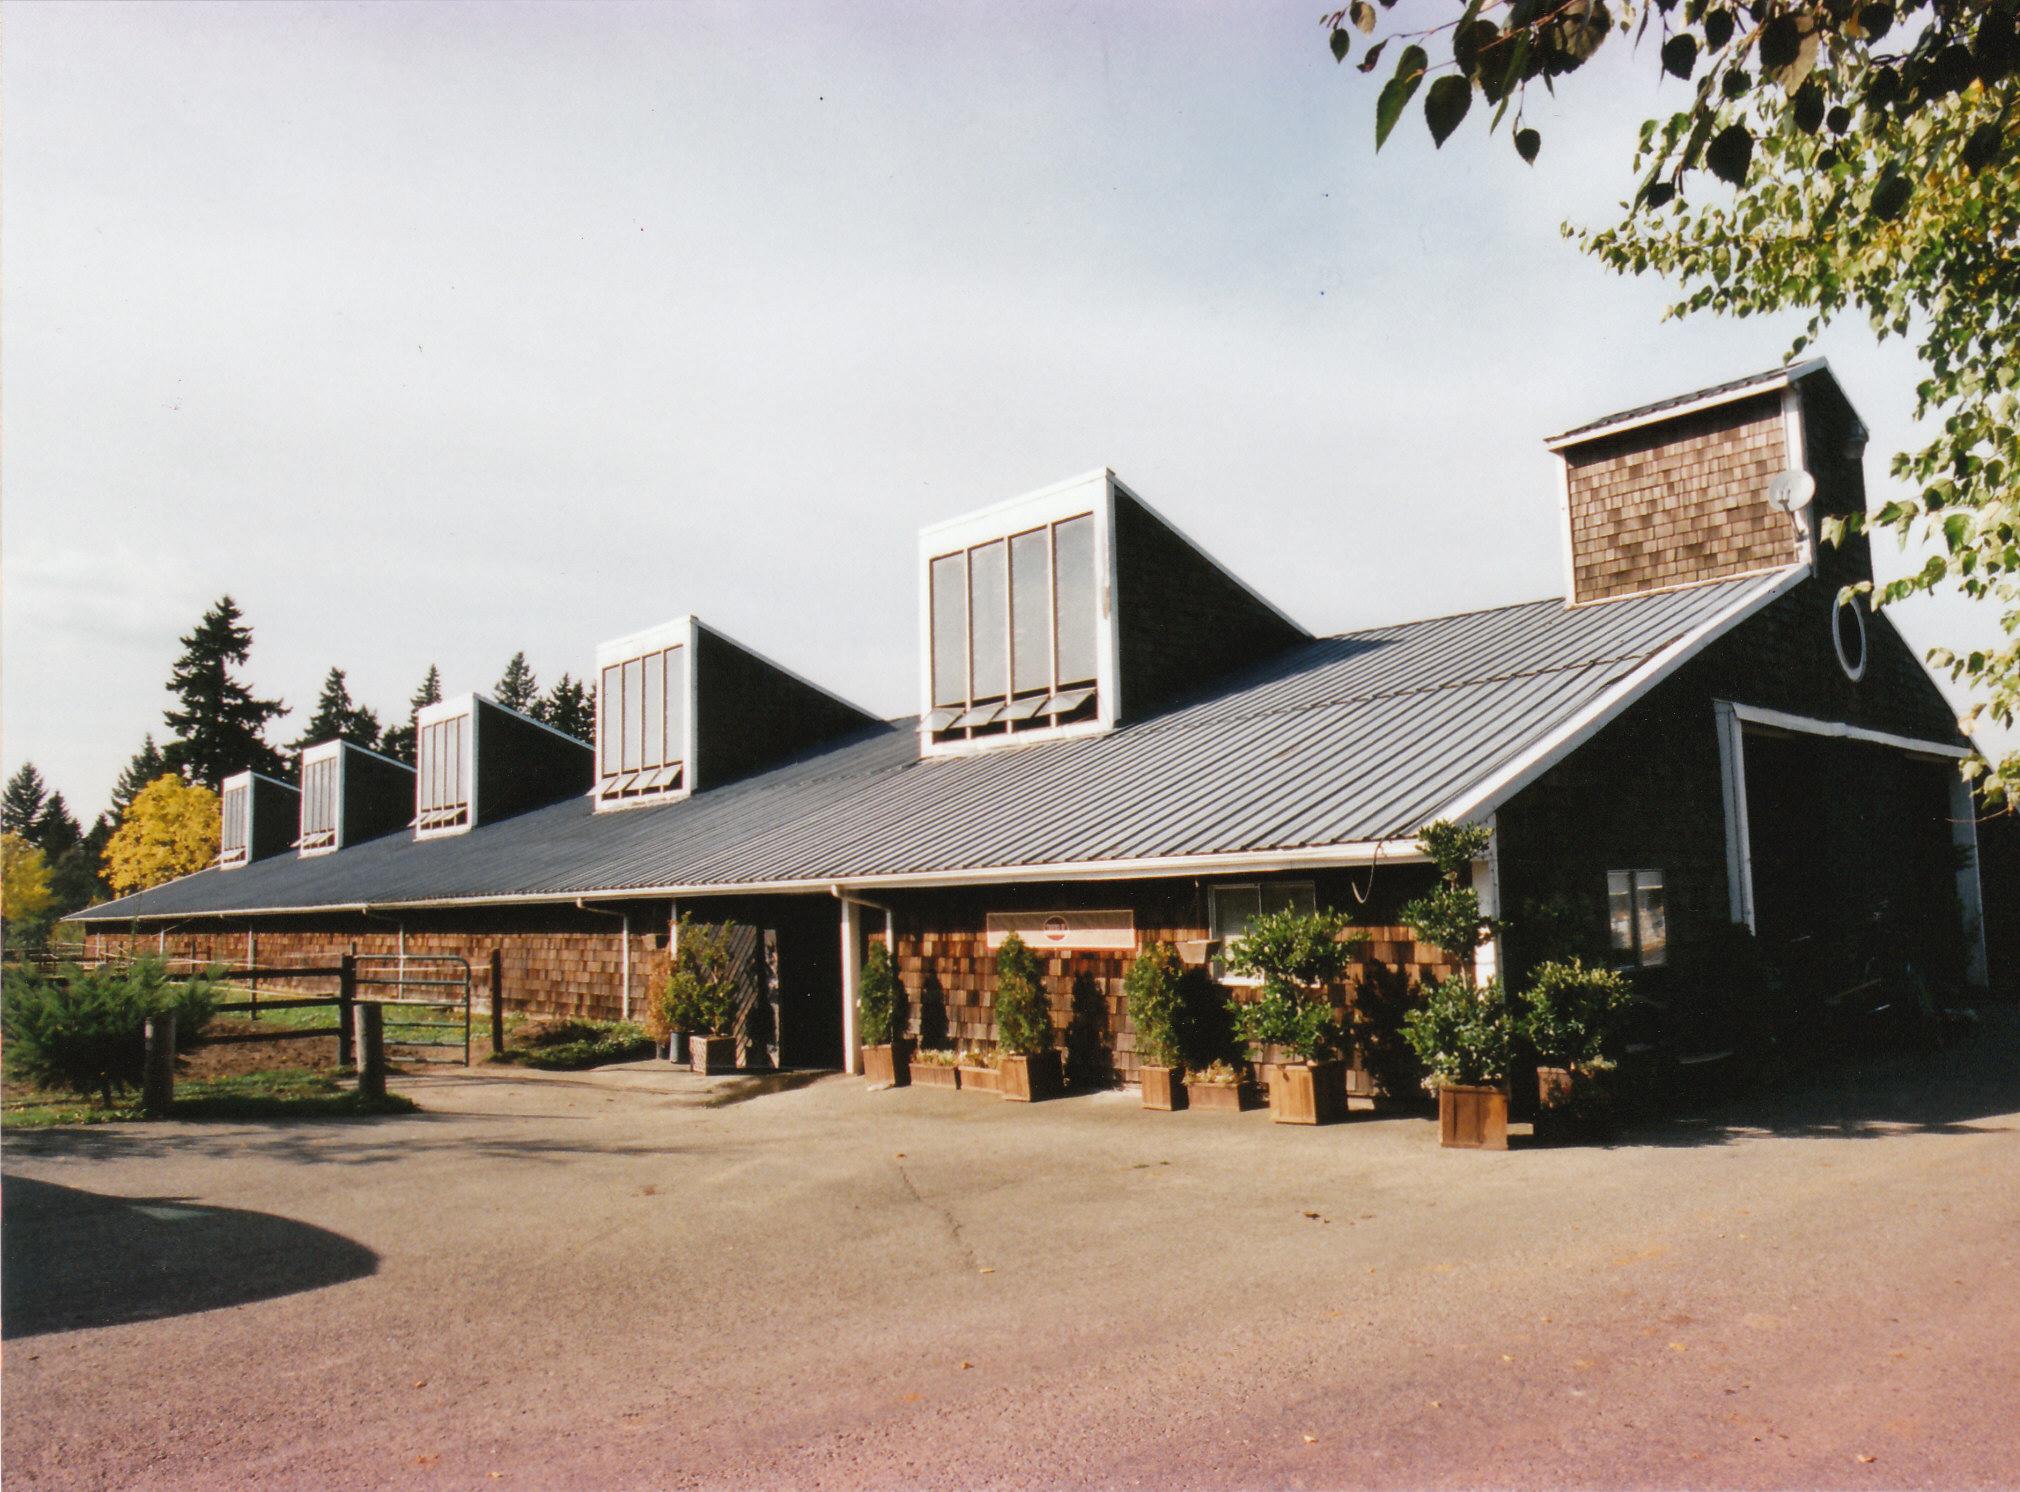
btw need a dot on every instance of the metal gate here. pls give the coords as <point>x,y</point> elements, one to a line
<point>447,972</point>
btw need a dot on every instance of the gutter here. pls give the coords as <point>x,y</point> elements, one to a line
<point>624,952</point>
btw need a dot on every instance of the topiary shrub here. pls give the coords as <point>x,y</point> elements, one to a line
<point>880,999</point>
<point>1023,1018</point>
<point>1462,1034</point>
<point>1296,955</point>
<point>701,994</point>
<point>84,1032</point>
<point>1155,987</point>
<point>1570,1012</point>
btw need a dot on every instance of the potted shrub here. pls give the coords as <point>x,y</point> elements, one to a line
<point>702,994</point>
<point>1030,1063</point>
<point>1296,956</point>
<point>1568,1018</point>
<point>1461,1031</point>
<point>934,1067</point>
<point>1153,987</point>
<point>1222,1087</point>
<point>880,1021</point>
<point>979,1071</point>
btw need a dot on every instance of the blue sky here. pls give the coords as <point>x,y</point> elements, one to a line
<point>435,332</point>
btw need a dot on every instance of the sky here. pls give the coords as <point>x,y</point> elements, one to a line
<point>433,332</point>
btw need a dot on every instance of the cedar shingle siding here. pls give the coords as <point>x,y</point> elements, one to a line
<point>1679,502</point>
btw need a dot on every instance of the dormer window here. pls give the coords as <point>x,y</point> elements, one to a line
<point>442,792</point>
<point>235,822</point>
<point>1015,623</point>
<point>319,803</point>
<point>643,715</point>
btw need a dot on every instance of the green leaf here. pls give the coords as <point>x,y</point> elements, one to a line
<point>1367,63</point>
<point>1527,143</point>
<point>1342,42</point>
<point>1679,55</point>
<point>1362,15</point>
<point>1445,105</point>
<point>1890,197</point>
<point>1717,29</point>
<point>1397,92</point>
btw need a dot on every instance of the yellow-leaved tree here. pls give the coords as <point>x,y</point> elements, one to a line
<point>24,880</point>
<point>170,829</point>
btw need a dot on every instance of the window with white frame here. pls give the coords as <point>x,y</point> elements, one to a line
<point>319,803</point>
<point>1635,917</point>
<point>235,823</point>
<point>442,787</point>
<point>1234,908</point>
<point>641,727</point>
<point>1015,622</point>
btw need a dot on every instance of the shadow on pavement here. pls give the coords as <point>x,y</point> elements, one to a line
<point>1969,1088</point>
<point>76,1259</point>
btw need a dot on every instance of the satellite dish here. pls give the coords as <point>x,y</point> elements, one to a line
<point>1792,491</point>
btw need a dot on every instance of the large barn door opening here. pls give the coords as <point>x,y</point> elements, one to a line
<point>1853,854</point>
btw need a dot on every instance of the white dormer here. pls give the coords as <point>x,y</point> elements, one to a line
<point>1016,620</point>
<point>477,762</point>
<point>256,818</point>
<point>349,794</point>
<point>645,715</point>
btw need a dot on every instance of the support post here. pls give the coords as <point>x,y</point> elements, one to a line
<point>1487,959</point>
<point>157,1082</point>
<point>372,1067</point>
<point>252,963</point>
<point>1970,891</point>
<point>1738,834</point>
<point>347,1010</point>
<point>497,1000</point>
<point>852,972</point>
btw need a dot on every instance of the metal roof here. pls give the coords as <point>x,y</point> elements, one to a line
<point>1343,742</point>
<point>1718,393</point>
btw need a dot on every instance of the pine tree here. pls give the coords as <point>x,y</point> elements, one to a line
<point>76,880</point>
<point>219,723</point>
<point>147,764</point>
<point>57,831</point>
<point>399,740</point>
<point>570,707</point>
<point>338,718</point>
<point>516,688</point>
<point>22,805</point>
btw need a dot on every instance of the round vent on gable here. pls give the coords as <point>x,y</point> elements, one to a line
<point>1848,636</point>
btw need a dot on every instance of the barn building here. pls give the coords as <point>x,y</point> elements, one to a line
<point>1119,740</point>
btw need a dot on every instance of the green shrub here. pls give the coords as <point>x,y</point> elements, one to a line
<point>570,1045</point>
<point>1023,1018</point>
<point>1449,917</point>
<point>700,997</point>
<point>84,1032</point>
<point>1296,955</point>
<point>880,999</point>
<point>1570,1012</point>
<point>1462,1034</point>
<point>1155,988</point>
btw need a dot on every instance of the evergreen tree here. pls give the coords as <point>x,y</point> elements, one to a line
<point>516,688</point>
<point>57,831</point>
<point>147,764</point>
<point>570,707</point>
<point>338,718</point>
<point>219,723</point>
<point>76,880</point>
<point>399,741</point>
<point>22,805</point>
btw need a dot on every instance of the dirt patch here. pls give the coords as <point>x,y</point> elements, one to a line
<point>233,1059</point>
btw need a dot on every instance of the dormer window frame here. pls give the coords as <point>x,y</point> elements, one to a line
<point>1091,495</point>
<point>455,818</point>
<point>234,799</point>
<point>624,786</point>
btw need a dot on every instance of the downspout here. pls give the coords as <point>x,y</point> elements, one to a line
<point>624,954</point>
<point>399,946</point>
<point>852,967</point>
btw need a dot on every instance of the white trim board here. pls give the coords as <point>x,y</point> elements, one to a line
<point>1767,383</point>
<point>1843,730</point>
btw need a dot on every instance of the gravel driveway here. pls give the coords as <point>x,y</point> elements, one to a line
<point>604,1280</point>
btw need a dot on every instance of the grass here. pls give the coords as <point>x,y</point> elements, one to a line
<point>569,1046</point>
<point>285,1093</point>
<point>406,1024</point>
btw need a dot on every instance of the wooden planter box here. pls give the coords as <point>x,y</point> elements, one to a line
<point>933,1075</point>
<point>712,1053</point>
<point>888,1066</point>
<point>979,1079</point>
<point>1473,1118</point>
<point>1309,1093</point>
<point>1163,1088</point>
<point>1553,1087</point>
<point>1026,1079</point>
<point>1222,1098</point>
